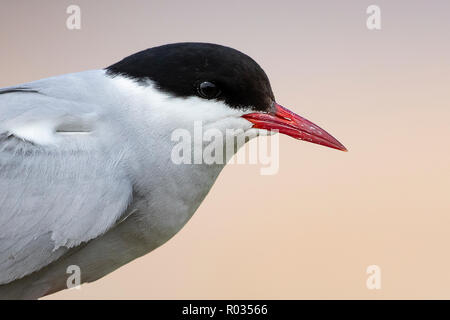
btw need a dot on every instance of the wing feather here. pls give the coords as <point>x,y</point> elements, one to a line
<point>55,193</point>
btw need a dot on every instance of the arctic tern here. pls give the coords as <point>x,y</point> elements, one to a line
<point>86,177</point>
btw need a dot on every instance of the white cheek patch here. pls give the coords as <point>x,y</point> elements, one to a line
<point>169,113</point>
<point>227,123</point>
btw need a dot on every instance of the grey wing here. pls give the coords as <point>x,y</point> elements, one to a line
<point>57,190</point>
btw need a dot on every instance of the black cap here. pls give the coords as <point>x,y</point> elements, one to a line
<point>206,70</point>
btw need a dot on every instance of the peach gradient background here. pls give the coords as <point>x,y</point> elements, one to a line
<point>311,230</point>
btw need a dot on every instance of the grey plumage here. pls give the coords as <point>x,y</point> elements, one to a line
<point>54,197</point>
<point>86,176</point>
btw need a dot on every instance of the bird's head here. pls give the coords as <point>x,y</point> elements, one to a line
<point>218,85</point>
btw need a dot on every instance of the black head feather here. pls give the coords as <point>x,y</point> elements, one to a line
<point>180,68</point>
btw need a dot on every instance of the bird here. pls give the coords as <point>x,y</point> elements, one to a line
<point>86,176</point>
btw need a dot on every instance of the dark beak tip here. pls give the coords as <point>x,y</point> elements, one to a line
<point>341,147</point>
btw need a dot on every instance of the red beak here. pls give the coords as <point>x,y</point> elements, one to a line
<point>287,122</point>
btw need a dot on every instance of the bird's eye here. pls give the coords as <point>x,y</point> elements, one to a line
<point>208,90</point>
